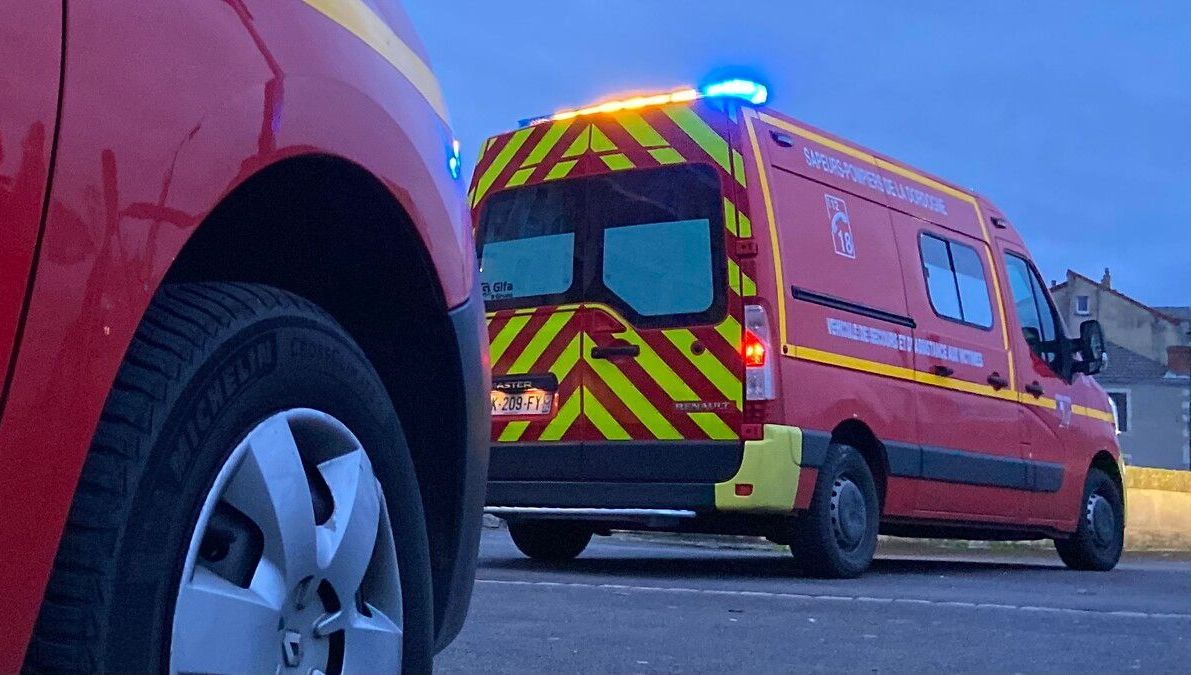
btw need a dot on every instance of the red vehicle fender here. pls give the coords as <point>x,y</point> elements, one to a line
<point>134,179</point>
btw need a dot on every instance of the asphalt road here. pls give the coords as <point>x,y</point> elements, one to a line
<point>631,604</point>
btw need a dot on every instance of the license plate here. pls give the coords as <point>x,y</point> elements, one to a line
<point>525,402</point>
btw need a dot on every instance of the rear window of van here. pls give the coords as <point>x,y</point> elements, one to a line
<point>649,243</point>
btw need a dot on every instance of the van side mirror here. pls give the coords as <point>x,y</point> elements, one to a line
<point>1091,347</point>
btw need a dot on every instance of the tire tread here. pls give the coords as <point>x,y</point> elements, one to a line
<point>179,322</point>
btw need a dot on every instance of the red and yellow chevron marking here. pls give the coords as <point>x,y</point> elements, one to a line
<point>631,399</point>
<point>687,382</point>
<point>669,391</point>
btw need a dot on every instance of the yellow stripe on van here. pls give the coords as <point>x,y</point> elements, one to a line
<point>520,177</point>
<point>702,134</point>
<point>730,217</point>
<point>505,337</point>
<point>730,329</point>
<point>658,371</point>
<point>561,169</point>
<point>746,225</point>
<point>579,145</point>
<point>711,367</point>
<point>563,420</point>
<point>549,140</point>
<point>641,131</point>
<point>500,162</point>
<point>359,19</point>
<point>738,168</point>
<point>513,431</point>
<point>566,361</point>
<point>617,161</point>
<point>715,428</point>
<point>539,343</point>
<point>633,399</point>
<point>601,419</point>
<point>667,156</point>
<point>600,141</point>
<point>740,282</point>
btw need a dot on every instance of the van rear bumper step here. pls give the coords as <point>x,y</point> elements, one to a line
<point>601,495</point>
<point>647,517</point>
<point>616,461</point>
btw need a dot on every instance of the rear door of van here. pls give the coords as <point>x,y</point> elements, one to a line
<point>609,273</point>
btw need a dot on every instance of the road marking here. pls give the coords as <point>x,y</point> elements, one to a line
<point>838,598</point>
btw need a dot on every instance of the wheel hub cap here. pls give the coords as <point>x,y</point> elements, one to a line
<point>849,517</point>
<point>292,566</point>
<point>1102,520</point>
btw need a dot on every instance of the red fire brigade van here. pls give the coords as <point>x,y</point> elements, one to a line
<point>243,402</point>
<point>708,317</point>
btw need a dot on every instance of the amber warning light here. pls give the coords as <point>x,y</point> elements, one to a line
<point>753,93</point>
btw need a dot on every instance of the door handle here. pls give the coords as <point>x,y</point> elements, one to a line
<point>997,382</point>
<point>617,349</point>
<point>1035,388</point>
<point>942,371</point>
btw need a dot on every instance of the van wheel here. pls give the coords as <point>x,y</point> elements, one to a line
<point>837,537</point>
<point>248,503</point>
<point>1100,535</point>
<point>555,541</point>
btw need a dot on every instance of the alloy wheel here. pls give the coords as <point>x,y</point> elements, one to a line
<point>292,565</point>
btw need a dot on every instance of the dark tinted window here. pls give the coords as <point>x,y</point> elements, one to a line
<point>658,238</point>
<point>1039,321</point>
<point>649,243</point>
<point>530,245</point>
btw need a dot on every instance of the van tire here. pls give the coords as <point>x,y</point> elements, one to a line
<point>207,365</point>
<point>837,536</point>
<point>1099,537</point>
<point>552,541</point>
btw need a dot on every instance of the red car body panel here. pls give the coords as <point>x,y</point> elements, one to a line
<point>166,108</point>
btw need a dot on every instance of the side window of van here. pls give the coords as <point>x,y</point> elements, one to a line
<point>1038,322</point>
<point>955,281</point>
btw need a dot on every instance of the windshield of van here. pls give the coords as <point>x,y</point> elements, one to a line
<point>649,243</point>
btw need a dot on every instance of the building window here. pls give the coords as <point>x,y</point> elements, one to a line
<point>1082,305</point>
<point>1120,404</point>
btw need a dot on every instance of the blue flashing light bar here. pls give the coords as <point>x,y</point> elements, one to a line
<point>745,90</point>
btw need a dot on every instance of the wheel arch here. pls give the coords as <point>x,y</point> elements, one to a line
<point>327,229</point>
<point>1104,461</point>
<point>860,436</point>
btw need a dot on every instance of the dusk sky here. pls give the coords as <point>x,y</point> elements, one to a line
<point>1073,117</point>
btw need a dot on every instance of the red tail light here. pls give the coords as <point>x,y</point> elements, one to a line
<point>753,350</point>
<point>755,344</point>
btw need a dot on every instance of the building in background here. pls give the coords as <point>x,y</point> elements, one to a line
<point>1148,374</point>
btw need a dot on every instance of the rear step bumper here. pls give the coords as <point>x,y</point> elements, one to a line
<point>603,495</point>
<point>645,517</point>
<point>759,476</point>
<point>618,461</point>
